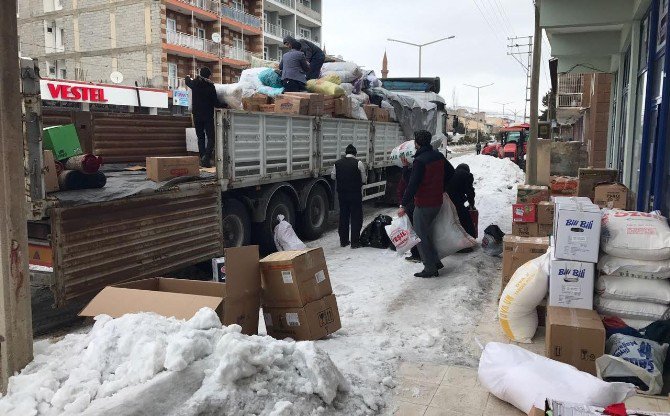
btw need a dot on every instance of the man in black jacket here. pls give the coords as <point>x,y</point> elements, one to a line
<point>461,190</point>
<point>204,102</point>
<point>350,175</point>
<point>313,53</point>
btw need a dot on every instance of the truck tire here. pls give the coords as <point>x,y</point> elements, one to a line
<point>264,233</point>
<point>236,223</point>
<point>314,219</point>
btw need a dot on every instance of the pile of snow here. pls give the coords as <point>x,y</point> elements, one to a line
<point>167,366</point>
<point>495,185</point>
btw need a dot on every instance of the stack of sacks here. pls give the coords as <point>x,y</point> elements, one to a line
<point>635,268</point>
<point>253,80</point>
<point>346,71</point>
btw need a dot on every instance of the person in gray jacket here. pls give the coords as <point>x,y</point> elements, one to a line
<point>294,68</point>
<point>313,53</point>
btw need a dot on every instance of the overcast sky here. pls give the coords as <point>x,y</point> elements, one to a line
<point>358,30</point>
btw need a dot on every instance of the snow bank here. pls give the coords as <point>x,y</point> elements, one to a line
<point>495,186</point>
<point>120,358</point>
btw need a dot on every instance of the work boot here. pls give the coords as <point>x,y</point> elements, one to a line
<point>439,265</point>
<point>355,245</point>
<point>343,244</point>
<point>205,162</point>
<point>425,273</point>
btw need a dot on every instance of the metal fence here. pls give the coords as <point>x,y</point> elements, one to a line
<point>193,42</point>
<point>570,90</point>
<point>308,11</point>
<point>240,16</point>
<point>209,5</point>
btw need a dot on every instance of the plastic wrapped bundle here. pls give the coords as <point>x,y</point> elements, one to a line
<point>324,87</point>
<point>347,71</point>
<point>86,163</point>
<point>230,94</point>
<point>270,91</point>
<point>250,78</point>
<point>270,78</point>
<point>332,77</point>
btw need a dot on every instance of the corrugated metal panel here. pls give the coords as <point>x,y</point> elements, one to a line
<point>386,137</point>
<point>336,134</point>
<point>53,117</point>
<point>128,138</point>
<point>104,244</point>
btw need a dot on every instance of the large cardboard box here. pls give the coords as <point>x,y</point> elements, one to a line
<point>545,213</point>
<point>50,174</point>
<point>381,114</point>
<point>315,102</point>
<point>343,107</point>
<point>162,168</point>
<point>63,141</point>
<point>590,177</point>
<point>525,229</point>
<point>308,323</point>
<point>524,213</point>
<point>255,102</point>
<point>295,278</point>
<point>236,302</point>
<point>291,104</point>
<point>611,195</point>
<point>370,111</point>
<point>577,231</point>
<point>519,250</point>
<point>531,194</point>
<point>545,230</point>
<point>571,283</point>
<point>575,337</point>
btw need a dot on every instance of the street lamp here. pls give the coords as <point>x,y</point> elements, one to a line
<point>478,88</point>
<point>420,46</point>
<point>503,106</point>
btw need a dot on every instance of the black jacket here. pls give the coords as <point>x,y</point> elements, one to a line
<point>204,97</point>
<point>349,179</point>
<point>431,172</point>
<point>461,188</point>
<point>310,49</point>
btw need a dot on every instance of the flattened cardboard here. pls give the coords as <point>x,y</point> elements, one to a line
<point>524,212</point>
<point>545,213</point>
<point>50,174</point>
<point>381,115</point>
<point>519,250</point>
<point>294,278</point>
<point>162,168</point>
<point>575,337</point>
<point>314,321</point>
<point>611,195</point>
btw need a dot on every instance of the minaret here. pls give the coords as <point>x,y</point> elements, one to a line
<point>385,66</point>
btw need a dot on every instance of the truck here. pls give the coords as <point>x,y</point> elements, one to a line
<point>511,145</point>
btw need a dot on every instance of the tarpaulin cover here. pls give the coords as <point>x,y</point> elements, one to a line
<point>411,115</point>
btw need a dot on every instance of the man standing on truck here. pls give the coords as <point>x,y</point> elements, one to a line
<point>204,102</point>
<point>313,54</point>
<point>350,175</point>
<point>431,172</point>
<point>294,67</point>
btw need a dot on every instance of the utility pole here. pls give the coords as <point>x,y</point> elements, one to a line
<point>16,334</point>
<point>515,51</point>
<point>478,88</point>
<point>516,114</point>
<point>531,159</point>
<point>503,106</point>
<point>420,46</point>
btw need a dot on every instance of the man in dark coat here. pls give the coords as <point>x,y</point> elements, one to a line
<point>204,101</point>
<point>431,172</point>
<point>313,54</point>
<point>461,190</point>
<point>350,175</point>
<point>294,68</point>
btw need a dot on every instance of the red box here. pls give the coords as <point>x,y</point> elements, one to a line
<point>474,215</point>
<point>524,213</point>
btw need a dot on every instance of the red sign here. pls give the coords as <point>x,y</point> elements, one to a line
<point>76,93</point>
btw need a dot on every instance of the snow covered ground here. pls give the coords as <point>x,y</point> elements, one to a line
<point>149,365</point>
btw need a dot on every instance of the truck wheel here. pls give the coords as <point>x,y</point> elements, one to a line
<point>279,204</point>
<point>314,218</point>
<point>236,223</point>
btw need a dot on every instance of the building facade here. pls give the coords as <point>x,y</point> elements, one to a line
<point>157,42</point>
<point>627,39</point>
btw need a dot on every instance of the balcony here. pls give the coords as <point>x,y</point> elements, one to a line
<point>277,31</point>
<point>240,16</point>
<point>237,54</point>
<point>287,3</point>
<point>308,11</point>
<point>192,42</point>
<point>208,5</point>
<point>311,38</point>
<point>569,91</point>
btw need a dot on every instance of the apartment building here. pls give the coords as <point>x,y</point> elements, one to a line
<point>157,42</point>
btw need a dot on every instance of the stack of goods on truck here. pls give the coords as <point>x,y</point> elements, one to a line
<point>163,168</point>
<point>298,300</point>
<point>66,166</point>
<point>532,214</point>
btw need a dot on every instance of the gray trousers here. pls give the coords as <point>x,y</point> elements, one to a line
<point>424,217</point>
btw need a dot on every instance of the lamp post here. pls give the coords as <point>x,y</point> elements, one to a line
<point>420,46</point>
<point>503,106</point>
<point>478,88</point>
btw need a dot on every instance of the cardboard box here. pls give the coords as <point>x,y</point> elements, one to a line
<point>63,141</point>
<point>236,302</point>
<point>524,213</point>
<point>525,229</point>
<point>315,102</point>
<point>571,283</point>
<point>590,177</point>
<point>162,168</point>
<point>294,278</point>
<point>370,110</point>
<point>291,104</point>
<point>577,231</point>
<point>536,412</point>
<point>545,230</point>
<point>268,108</point>
<point>314,321</point>
<point>50,174</point>
<point>531,194</point>
<point>575,337</point>
<point>611,195</point>
<point>565,185</point>
<point>542,313</point>
<point>545,213</point>
<point>343,107</point>
<point>519,250</point>
<point>381,115</point>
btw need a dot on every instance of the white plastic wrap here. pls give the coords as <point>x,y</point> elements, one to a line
<point>448,234</point>
<point>250,77</point>
<point>285,237</point>
<point>635,235</point>
<point>347,71</point>
<point>231,94</point>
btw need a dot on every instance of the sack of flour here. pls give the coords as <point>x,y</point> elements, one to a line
<point>639,269</point>
<point>635,235</point>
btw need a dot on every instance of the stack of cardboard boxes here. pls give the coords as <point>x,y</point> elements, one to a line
<point>526,213</point>
<point>298,300</point>
<point>376,113</point>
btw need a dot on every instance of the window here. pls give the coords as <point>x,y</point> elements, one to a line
<point>305,33</point>
<point>644,44</point>
<point>266,16</point>
<point>171,25</point>
<point>238,43</point>
<point>62,73</point>
<point>200,33</point>
<point>54,37</point>
<point>266,53</point>
<point>173,78</point>
<point>306,3</point>
<point>239,5</point>
<point>280,53</point>
<point>662,24</point>
<point>52,5</point>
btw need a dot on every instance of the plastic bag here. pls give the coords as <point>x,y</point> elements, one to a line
<point>324,87</point>
<point>517,312</point>
<point>270,91</point>
<point>386,105</point>
<point>492,242</point>
<point>402,234</point>
<point>635,235</point>
<point>285,237</point>
<point>250,77</point>
<point>524,380</point>
<point>230,94</point>
<point>270,78</point>
<point>628,288</point>
<point>636,359</point>
<point>627,309</point>
<point>374,234</point>
<point>347,87</point>
<point>448,234</point>
<point>334,78</point>
<point>405,151</point>
<point>640,269</point>
<point>347,71</point>
<point>357,110</point>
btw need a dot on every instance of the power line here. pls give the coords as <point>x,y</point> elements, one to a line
<point>495,33</point>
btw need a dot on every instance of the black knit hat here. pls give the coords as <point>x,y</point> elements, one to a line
<point>205,72</point>
<point>464,166</point>
<point>350,150</point>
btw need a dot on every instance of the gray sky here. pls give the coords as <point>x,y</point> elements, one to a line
<point>358,30</point>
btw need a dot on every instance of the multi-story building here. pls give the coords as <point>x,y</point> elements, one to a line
<point>157,42</point>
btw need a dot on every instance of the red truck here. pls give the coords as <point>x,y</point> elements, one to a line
<point>512,144</point>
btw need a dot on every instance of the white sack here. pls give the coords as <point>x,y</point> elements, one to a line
<point>629,288</point>
<point>633,357</point>
<point>640,269</point>
<point>402,234</point>
<point>348,88</point>
<point>391,110</point>
<point>626,309</point>
<point>285,237</point>
<point>250,77</point>
<point>347,71</point>
<point>448,234</point>
<point>231,94</point>
<point>524,380</point>
<point>635,235</point>
<point>517,309</point>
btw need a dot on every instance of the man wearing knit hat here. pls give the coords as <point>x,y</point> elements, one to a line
<point>350,175</point>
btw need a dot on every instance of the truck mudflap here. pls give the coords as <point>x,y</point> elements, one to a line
<point>101,244</point>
